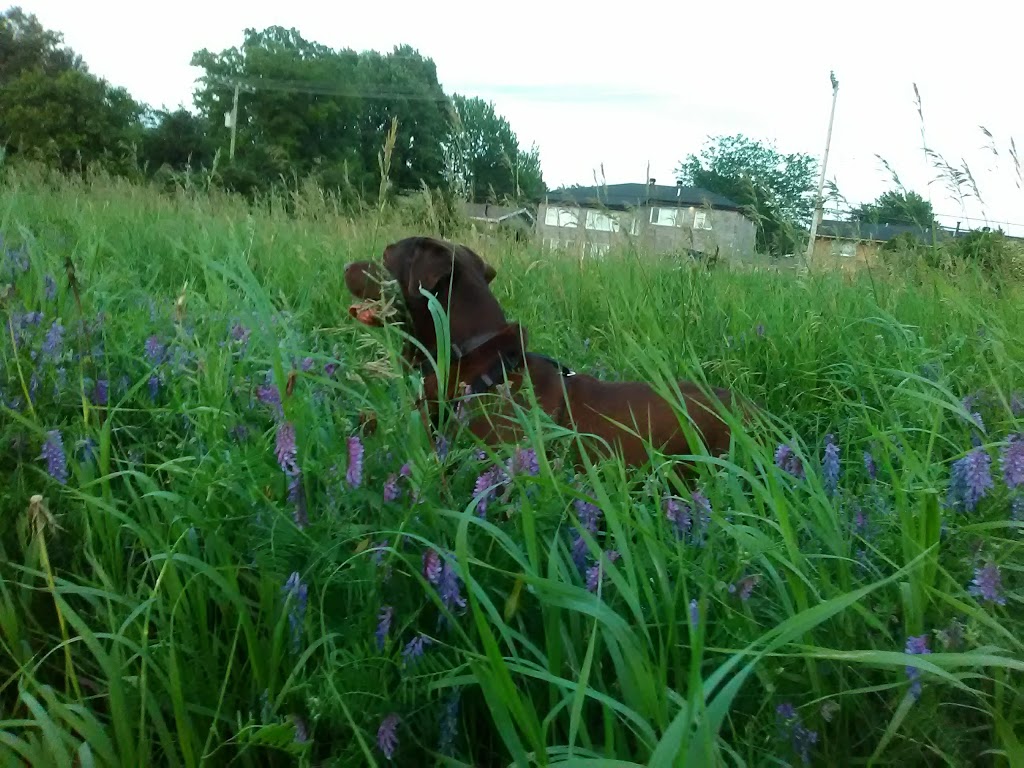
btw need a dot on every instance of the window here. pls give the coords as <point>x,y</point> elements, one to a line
<point>598,249</point>
<point>561,217</point>
<point>601,222</point>
<point>844,248</point>
<point>664,217</point>
<point>701,220</point>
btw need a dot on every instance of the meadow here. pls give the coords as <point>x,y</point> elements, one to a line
<point>207,559</point>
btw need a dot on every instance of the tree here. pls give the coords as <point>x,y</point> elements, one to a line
<point>896,207</point>
<point>775,189</point>
<point>52,108</point>
<point>25,45</point>
<point>176,140</point>
<point>485,162</point>
<point>308,109</point>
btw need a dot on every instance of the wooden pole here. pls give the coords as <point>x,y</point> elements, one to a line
<point>819,203</point>
<point>234,123</point>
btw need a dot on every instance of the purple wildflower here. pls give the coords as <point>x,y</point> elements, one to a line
<point>432,567</point>
<point>448,588</point>
<point>387,735</point>
<point>523,460</point>
<point>1012,461</point>
<point>154,386</point>
<point>970,479</point>
<point>307,364</point>
<point>579,551</point>
<point>987,584</point>
<point>678,514</point>
<point>694,614</point>
<point>51,287</point>
<point>869,465</point>
<point>745,586</point>
<point>53,454</point>
<point>240,334</point>
<point>596,572</point>
<point>354,474</point>
<point>384,625</point>
<point>830,465</point>
<point>415,649</point>
<point>154,350</point>
<point>100,392</point>
<point>391,492</point>
<point>759,330</point>
<point>916,645</point>
<point>330,369</point>
<point>54,341</point>
<point>788,461</point>
<point>701,511</point>
<point>590,518</point>
<point>298,592</point>
<point>270,396</point>
<point>589,514</point>
<point>792,729</point>
<point>488,484</point>
<point>285,447</point>
<point>449,725</point>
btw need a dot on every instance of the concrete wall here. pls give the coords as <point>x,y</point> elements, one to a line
<point>675,229</point>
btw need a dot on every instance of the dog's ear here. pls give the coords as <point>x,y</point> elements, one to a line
<point>485,269</point>
<point>431,265</point>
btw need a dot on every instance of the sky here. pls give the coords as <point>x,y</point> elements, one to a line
<point>633,88</point>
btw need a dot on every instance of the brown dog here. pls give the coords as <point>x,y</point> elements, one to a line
<point>488,351</point>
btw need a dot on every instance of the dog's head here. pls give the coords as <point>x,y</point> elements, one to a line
<point>453,273</point>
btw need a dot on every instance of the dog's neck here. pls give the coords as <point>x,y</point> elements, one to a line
<point>478,362</point>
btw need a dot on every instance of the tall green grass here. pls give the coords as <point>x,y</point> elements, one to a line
<point>144,615</point>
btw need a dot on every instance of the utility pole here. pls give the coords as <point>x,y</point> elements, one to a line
<point>234,122</point>
<point>819,203</point>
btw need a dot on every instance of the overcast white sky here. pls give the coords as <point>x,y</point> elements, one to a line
<point>646,83</point>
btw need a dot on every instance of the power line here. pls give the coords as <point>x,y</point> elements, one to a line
<point>305,87</point>
<point>951,216</point>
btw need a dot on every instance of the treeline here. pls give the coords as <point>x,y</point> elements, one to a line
<point>342,118</point>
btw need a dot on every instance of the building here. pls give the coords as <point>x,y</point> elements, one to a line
<point>857,243</point>
<point>520,222</point>
<point>659,218</point>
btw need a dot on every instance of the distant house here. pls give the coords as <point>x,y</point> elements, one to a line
<point>661,218</point>
<point>521,222</point>
<point>856,243</point>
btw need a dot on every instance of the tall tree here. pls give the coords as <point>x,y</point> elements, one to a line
<point>485,161</point>
<point>26,45</point>
<point>897,206</point>
<point>306,108</point>
<point>52,108</point>
<point>176,140</point>
<point>776,189</point>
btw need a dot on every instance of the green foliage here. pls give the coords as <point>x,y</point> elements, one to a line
<point>306,109</point>
<point>177,141</point>
<point>897,207</point>
<point>53,109</point>
<point>485,161</point>
<point>987,248</point>
<point>144,618</point>
<point>70,120</point>
<point>27,46</point>
<point>777,190</point>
